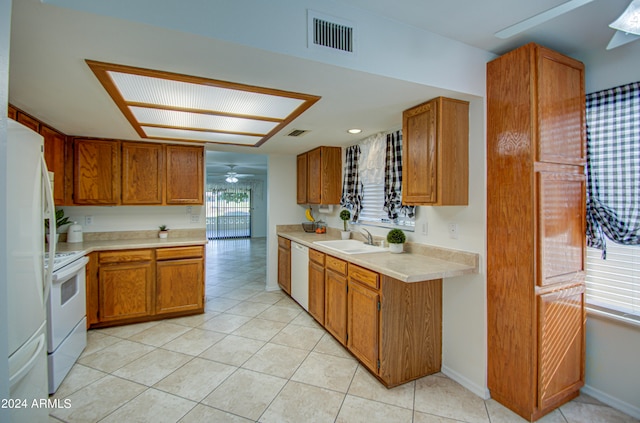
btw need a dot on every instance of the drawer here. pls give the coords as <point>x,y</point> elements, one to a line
<point>364,276</point>
<point>173,253</point>
<point>335,264</point>
<point>284,242</point>
<point>123,256</point>
<point>316,256</point>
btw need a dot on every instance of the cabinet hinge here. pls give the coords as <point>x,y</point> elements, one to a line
<point>378,305</point>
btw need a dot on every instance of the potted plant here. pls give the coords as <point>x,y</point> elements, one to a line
<point>60,221</point>
<point>396,239</point>
<point>345,215</point>
<point>164,231</point>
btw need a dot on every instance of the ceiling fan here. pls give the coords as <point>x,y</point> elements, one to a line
<point>232,177</point>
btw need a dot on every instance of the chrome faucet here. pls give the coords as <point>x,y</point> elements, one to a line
<point>369,237</point>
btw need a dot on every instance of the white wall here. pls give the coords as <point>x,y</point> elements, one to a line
<point>612,371</point>
<point>259,210</point>
<point>5,30</point>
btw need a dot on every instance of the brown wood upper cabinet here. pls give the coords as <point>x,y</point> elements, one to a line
<point>96,172</point>
<point>436,153</point>
<point>54,154</point>
<point>142,173</point>
<point>319,172</point>
<point>184,175</point>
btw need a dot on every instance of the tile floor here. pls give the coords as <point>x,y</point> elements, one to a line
<point>257,356</point>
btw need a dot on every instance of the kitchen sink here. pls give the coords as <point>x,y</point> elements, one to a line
<point>351,246</point>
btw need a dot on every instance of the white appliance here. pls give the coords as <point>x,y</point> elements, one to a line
<point>29,200</point>
<point>66,315</point>
<point>300,274</point>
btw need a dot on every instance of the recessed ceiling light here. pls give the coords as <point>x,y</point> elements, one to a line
<point>354,131</point>
<point>169,106</point>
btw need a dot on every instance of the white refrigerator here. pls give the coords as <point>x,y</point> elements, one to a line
<point>29,201</point>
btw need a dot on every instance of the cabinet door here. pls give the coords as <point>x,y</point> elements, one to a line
<point>419,155</point>
<point>301,179</point>
<point>561,346</point>
<point>54,145</point>
<point>363,324</point>
<point>96,172</point>
<point>316,291</point>
<point>561,226</point>
<point>92,290</point>
<point>284,264</point>
<point>126,291</point>
<point>185,181</point>
<point>335,305</point>
<point>560,106</point>
<point>180,285</point>
<point>314,176</point>
<point>142,170</point>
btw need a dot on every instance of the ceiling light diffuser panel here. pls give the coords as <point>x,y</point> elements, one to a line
<point>167,106</point>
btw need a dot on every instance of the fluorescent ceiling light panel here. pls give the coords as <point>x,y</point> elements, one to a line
<point>167,106</point>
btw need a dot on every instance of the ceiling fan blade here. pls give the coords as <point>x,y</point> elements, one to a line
<point>540,18</point>
<point>621,38</point>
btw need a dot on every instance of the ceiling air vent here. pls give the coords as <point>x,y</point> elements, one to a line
<point>297,133</point>
<point>329,32</point>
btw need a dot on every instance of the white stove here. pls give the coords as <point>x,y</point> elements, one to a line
<point>62,259</point>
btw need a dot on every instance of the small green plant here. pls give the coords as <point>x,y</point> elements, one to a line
<point>345,215</point>
<point>60,220</point>
<point>163,228</point>
<point>396,236</point>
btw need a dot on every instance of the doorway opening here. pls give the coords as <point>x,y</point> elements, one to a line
<point>228,212</point>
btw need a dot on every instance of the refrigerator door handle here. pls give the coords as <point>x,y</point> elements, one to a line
<point>26,368</point>
<point>50,211</point>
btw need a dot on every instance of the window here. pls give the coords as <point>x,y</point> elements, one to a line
<point>373,212</point>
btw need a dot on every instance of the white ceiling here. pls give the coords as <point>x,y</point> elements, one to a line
<point>48,77</point>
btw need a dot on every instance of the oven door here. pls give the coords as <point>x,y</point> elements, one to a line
<point>66,304</point>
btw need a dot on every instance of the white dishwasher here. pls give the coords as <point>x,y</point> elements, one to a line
<point>300,274</point>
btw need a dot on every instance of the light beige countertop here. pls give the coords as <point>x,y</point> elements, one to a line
<point>132,240</point>
<point>419,262</point>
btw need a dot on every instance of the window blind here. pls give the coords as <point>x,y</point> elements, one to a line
<point>613,285</point>
<point>373,204</point>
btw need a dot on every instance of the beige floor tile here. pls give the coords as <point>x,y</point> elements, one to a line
<point>78,377</point>
<point>287,301</point>
<point>364,385</point>
<point>360,410</point>
<point>98,400</point>
<point>266,297</point>
<point>329,345</point>
<point>326,371</point>
<point>299,402</point>
<point>305,319</point>
<point>500,414</point>
<point>247,308</point>
<point>233,350</point>
<point>196,379</point>
<point>126,331</point>
<point>245,393</point>
<point>219,304</point>
<point>97,341</point>
<point>113,357</point>
<point>152,406</point>
<point>225,323</point>
<point>159,334</point>
<point>195,320</point>
<point>240,294</point>
<point>419,417</point>
<point>202,413</point>
<point>260,329</point>
<point>442,396</point>
<point>280,314</point>
<point>295,336</point>
<point>578,412</point>
<point>276,360</point>
<point>194,342</point>
<point>152,367</point>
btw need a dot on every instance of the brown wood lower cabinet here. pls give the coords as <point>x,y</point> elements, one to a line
<point>393,327</point>
<point>284,264</point>
<point>127,286</point>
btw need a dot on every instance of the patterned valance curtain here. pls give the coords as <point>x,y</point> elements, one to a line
<point>393,178</point>
<point>613,166</point>
<point>351,185</point>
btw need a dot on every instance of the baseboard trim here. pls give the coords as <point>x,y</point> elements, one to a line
<point>478,390</point>
<point>613,402</point>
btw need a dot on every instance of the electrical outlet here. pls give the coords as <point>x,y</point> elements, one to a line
<point>453,230</point>
<point>189,209</point>
<point>195,218</point>
<point>425,228</point>
<point>88,220</point>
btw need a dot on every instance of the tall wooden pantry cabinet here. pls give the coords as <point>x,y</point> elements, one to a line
<point>535,229</point>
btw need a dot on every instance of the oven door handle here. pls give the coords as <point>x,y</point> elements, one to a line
<point>68,271</point>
